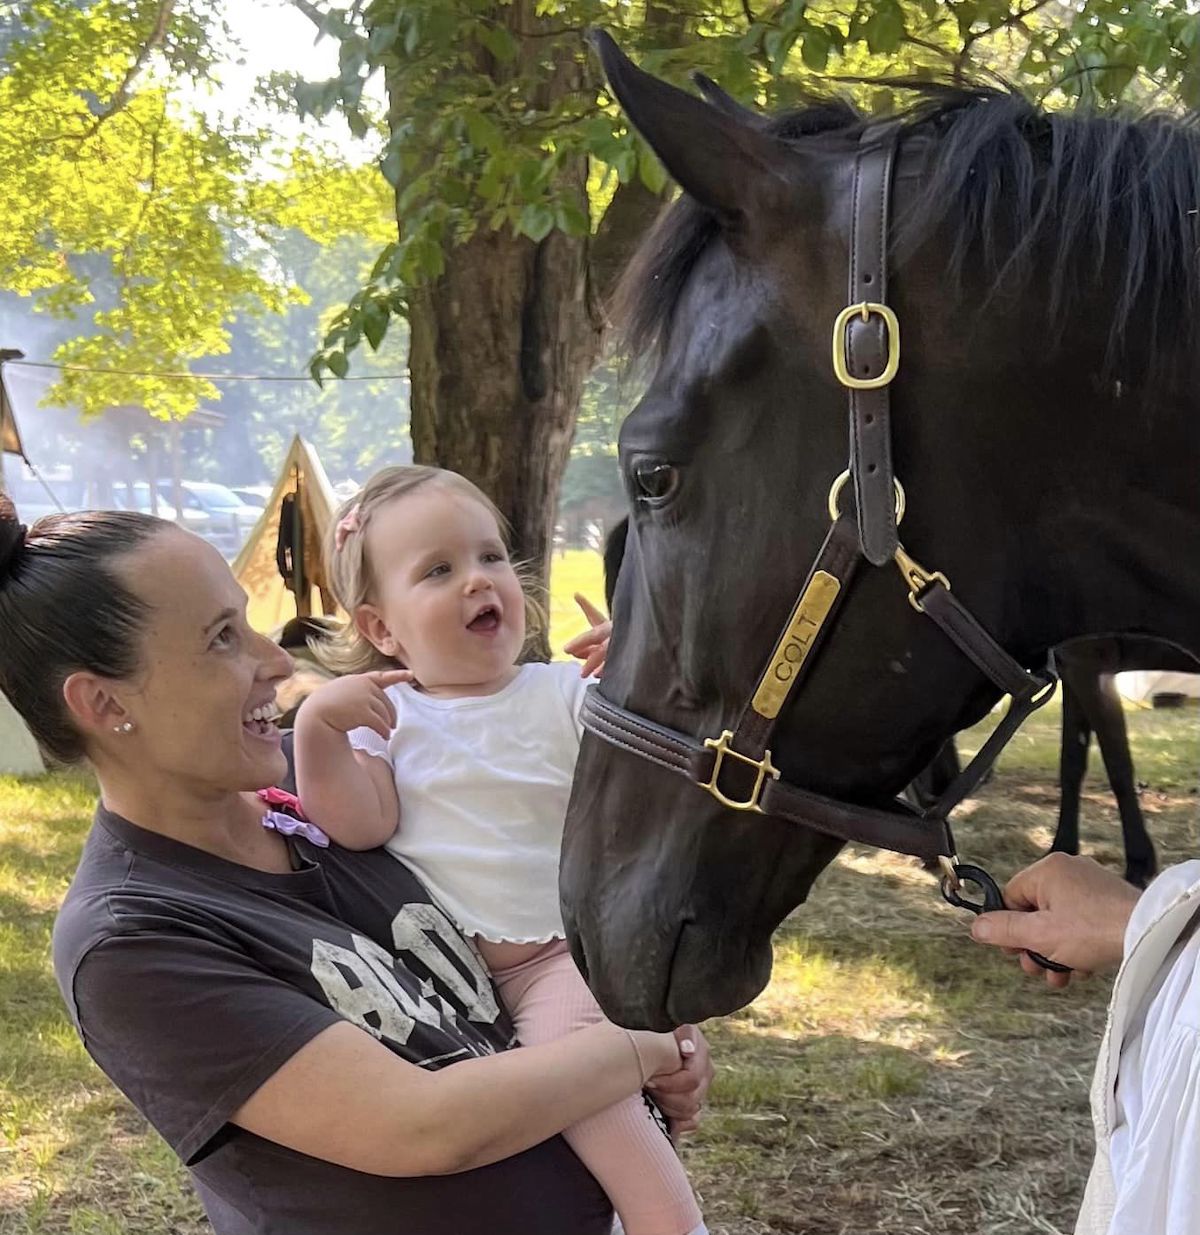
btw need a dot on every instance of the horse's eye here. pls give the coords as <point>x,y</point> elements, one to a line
<point>655,481</point>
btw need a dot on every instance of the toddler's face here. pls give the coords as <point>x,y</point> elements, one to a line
<point>449,604</point>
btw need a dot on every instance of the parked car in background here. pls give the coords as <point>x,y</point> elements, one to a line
<point>195,517</point>
<point>253,495</point>
<point>226,509</point>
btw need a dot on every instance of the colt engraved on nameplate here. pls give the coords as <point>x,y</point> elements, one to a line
<point>793,648</point>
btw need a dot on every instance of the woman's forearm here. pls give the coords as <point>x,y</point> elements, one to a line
<point>346,1098</point>
<point>488,1109</point>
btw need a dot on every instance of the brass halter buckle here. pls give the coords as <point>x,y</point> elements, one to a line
<point>763,768</point>
<point>842,321</point>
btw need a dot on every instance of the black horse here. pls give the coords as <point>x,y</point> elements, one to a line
<point>1045,424</point>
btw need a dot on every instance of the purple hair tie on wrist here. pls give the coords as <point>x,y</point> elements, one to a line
<point>287,826</point>
<point>292,824</point>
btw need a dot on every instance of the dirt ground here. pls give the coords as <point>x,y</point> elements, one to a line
<point>895,1079</point>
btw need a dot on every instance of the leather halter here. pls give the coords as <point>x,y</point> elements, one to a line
<point>736,768</point>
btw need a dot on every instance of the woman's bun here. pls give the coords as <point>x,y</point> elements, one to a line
<point>12,537</point>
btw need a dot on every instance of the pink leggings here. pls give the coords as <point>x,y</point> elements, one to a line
<point>622,1146</point>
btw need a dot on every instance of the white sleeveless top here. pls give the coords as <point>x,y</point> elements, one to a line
<point>483,784</point>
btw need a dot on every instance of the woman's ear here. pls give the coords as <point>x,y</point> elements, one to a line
<point>94,705</point>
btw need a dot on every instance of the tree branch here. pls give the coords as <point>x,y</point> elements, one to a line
<point>158,34</point>
<point>944,52</point>
<point>1016,19</point>
<point>310,11</point>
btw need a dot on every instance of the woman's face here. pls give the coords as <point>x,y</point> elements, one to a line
<point>206,680</point>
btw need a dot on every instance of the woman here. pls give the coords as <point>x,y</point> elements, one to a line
<point>284,1012</point>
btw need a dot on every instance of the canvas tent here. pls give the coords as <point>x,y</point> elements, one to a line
<point>18,751</point>
<point>280,566</point>
<point>10,437</point>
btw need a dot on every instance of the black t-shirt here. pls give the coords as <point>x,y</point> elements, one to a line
<point>192,980</point>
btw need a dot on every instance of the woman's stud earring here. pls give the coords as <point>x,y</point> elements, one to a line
<point>127,727</point>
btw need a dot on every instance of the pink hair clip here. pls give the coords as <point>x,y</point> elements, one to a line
<point>348,523</point>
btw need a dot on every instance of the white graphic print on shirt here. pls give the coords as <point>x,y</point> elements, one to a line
<point>367,987</point>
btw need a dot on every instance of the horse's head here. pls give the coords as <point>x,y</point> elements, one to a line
<point>671,898</point>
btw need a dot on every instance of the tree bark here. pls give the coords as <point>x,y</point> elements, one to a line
<point>500,346</point>
<point>501,343</point>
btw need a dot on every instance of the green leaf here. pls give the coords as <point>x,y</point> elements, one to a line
<point>815,49</point>
<point>499,42</point>
<point>651,171</point>
<point>338,363</point>
<point>625,163</point>
<point>382,37</point>
<point>375,323</point>
<point>884,30</point>
<point>482,131</point>
<point>536,222</point>
<point>531,176</point>
<point>569,218</point>
<point>316,98</point>
<point>392,167</point>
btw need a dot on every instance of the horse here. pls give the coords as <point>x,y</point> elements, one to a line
<point>773,679</point>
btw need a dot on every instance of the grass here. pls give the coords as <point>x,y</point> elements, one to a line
<point>892,1080</point>
<point>576,570</point>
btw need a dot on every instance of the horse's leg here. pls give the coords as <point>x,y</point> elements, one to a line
<point>1072,763</point>
<point>1108,720</point>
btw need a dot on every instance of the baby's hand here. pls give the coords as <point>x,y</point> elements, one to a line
<point>357,701</point>
<point>592,646</point>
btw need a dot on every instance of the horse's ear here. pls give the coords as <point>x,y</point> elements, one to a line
<point>718,159</point>
<point>722,100</point>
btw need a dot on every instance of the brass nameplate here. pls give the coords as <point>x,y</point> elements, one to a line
<point>808,617</point>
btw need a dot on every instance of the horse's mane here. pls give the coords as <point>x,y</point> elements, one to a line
<point>1083,201</point>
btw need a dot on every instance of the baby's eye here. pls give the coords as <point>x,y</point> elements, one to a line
<point>492,556</point>
<point>442,568</point>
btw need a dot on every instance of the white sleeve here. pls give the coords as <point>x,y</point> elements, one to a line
<point>574,689</point>
<point>369,742</point>
<point>1159,1188</point>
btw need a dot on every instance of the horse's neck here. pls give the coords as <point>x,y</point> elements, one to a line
<point>1119,544</point>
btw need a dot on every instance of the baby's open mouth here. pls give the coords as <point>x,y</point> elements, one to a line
<point>485,621</point>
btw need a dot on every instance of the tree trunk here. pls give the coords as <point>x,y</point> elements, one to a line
<point>501,343</point>
<point>500,346</point>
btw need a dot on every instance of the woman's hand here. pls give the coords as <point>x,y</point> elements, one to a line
<point>1069,909</point>
<point>680,1095</point>
<point>592,646</point>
